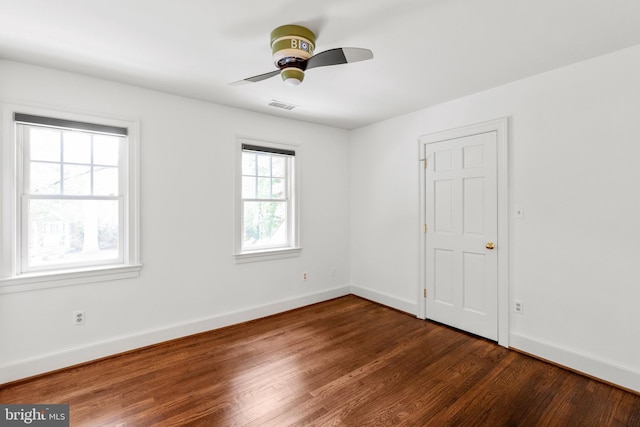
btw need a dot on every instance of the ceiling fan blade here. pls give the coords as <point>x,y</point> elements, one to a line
<point>341,55</point>
<point>257,78</point>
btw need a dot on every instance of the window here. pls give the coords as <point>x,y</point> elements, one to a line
<point>267,202</point>
<point>73,200</point>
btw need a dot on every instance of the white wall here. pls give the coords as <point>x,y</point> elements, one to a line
<point>574,260</point>
<point>189,282</point>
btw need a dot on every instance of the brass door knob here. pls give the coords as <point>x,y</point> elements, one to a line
<point>490,245</point>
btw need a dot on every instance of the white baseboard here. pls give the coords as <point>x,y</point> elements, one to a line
<point>623,376</point>
<point>73,356</point>
<point>410,307</point>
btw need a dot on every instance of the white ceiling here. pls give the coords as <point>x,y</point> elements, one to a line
<point>425,51</point>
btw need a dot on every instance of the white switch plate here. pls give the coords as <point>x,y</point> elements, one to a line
<point>518,212</point>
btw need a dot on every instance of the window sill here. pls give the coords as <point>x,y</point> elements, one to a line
<point>37,281</point>
<point>268,255</point>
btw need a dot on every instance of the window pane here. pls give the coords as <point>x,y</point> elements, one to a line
<point>106,150</point>
<point>277,188</point>
<point>248,163</point>
<point>278,166</point>
<point>77,180</point>
<point>248,187</point>
<point>265,224</point>
<point>264,188</point>
<point>44,178</point>
<point>72,231</point>
<point>77,148</point>
<point>44,144</point>
<point>264,165</point>
<point>105,181</point>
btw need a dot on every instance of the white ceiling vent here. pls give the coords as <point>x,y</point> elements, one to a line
<point>280,104</point>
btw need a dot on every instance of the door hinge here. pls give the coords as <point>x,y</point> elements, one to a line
<point>425,163</point>
<point>425,228</point>
<point>425,293</point>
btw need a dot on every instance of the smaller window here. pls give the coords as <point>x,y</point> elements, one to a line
<point>267,199</point>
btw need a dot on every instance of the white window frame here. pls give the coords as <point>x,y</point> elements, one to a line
<point>294,248</point>
<point>12,276</point>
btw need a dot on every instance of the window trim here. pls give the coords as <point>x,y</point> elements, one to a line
<point>11,280</point>
<point>266,254</point>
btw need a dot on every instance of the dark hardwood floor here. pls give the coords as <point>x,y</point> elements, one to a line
<point>343,362</point>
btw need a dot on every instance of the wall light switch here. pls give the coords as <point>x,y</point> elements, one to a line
<point>518,212</point>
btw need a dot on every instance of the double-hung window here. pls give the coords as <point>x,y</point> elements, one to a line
<point>74,200</point>
<point>268,217</point>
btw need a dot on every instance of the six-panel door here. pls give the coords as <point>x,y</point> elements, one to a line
<point>461,215</point>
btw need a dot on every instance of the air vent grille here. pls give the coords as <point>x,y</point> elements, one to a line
<point>282,105</point>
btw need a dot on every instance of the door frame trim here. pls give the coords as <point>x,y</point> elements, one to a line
<point>501,127</point>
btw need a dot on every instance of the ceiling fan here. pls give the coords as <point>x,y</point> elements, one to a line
<point>292,47</point>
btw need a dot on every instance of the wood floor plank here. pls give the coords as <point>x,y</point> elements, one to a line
<point>343,362</point>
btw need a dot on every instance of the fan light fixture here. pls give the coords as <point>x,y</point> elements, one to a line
<point>292,46</point>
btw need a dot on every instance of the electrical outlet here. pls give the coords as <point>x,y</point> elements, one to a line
<point>304,277</point>
<point>79,317</point>
<point>518,306</point>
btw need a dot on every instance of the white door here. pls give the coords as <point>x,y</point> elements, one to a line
<point>461,268</point>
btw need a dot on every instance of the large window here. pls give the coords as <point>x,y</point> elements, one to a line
<point>267,200</point>
<point>73,198</point>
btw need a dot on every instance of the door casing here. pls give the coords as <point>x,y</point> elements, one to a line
<point>500,126</point>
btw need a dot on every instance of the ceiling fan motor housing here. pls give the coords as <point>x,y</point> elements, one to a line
<point>291,46</point>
